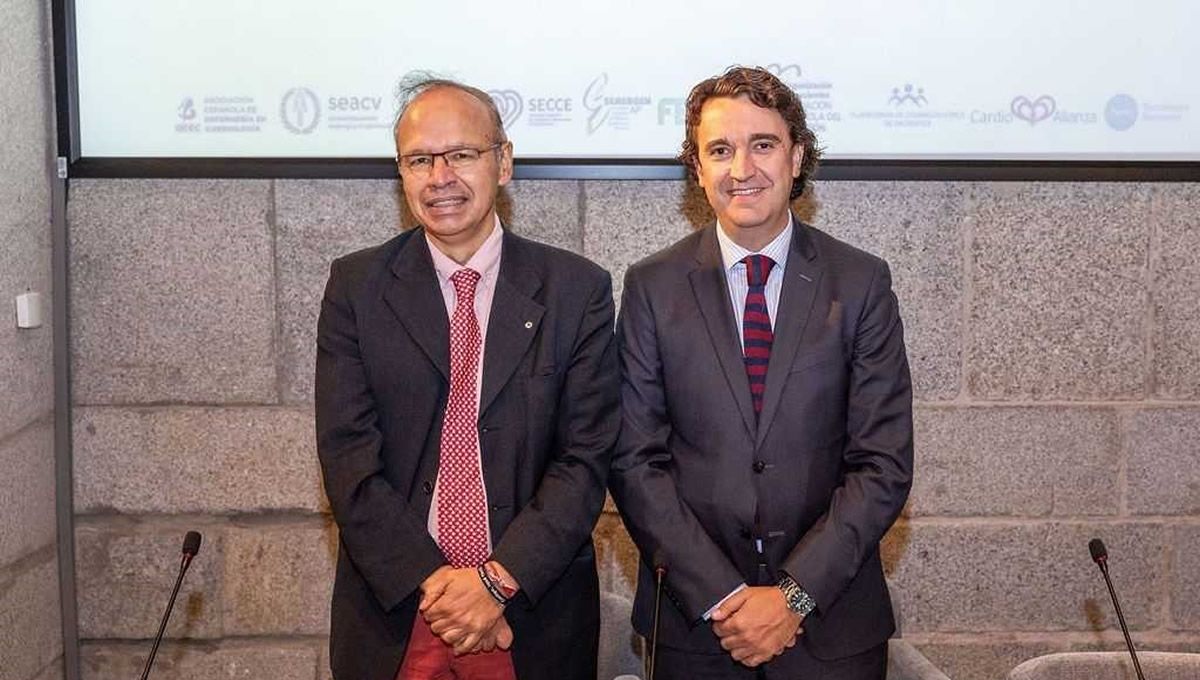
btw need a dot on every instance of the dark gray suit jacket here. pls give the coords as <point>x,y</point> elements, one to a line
<point>548,421</point>
<point>820,475</point>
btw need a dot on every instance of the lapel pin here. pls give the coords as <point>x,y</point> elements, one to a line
<point>529,324</point>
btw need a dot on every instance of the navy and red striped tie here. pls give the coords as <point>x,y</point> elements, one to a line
<point>756,327</point>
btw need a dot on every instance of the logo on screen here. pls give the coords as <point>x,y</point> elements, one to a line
<point>789,74</point>
<point>300,110</point>
<point>906,107</point>
<point>815,93</point>
<point>671,111</point>
<point>593,100</point>
<point>1033,111</point>
<point>187,109</point>
<point>908,95</point>
<point>549,110</point>
<point>186,115</point>
<point>510,105</point>
<point>1121,112</point>
<point>614,112</point>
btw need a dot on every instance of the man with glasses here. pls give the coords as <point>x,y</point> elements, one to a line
<point>466,406</point>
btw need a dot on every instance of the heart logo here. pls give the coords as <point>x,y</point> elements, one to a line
<point>509,103</point>
<point>788,73</point>
<point>1033,112</point>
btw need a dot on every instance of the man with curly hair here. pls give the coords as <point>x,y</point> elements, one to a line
<point>766,442</point>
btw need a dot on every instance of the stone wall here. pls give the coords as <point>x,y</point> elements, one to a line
<point>1050,327</point>
<point>30,628</point>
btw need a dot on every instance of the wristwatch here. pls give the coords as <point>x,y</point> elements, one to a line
<point>797,599</point>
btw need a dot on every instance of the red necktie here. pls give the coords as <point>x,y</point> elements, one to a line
<point>462,521</point>
<point>756,327</point>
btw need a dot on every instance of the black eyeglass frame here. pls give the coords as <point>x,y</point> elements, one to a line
<point>444,155</point>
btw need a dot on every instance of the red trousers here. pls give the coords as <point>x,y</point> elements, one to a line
<point>428,658</point>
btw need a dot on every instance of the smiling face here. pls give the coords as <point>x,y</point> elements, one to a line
<point>455,205</point>
<point>745,162</point>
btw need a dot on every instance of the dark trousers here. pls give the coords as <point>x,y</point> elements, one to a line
<point>674,664</point>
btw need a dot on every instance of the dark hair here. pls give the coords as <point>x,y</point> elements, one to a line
<point>765,90</point>
<point>416,83</point>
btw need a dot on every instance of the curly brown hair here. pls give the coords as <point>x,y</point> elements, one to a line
<point>765,90</point>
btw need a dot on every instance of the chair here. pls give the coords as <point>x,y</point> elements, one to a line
<point>1108,666</point>
<point>905,662</point>
<point>620,647</point>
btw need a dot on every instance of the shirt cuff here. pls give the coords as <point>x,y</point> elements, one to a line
<point>708,614</point>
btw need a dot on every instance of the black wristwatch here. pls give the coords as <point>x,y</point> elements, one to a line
<point>797,599</point>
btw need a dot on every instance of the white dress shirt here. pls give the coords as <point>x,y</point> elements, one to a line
<point>735,278</point>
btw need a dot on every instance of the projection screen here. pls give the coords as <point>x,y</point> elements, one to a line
<point>1037,80</point>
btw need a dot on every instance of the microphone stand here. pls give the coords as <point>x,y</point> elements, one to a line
<point>1100,557</point>
<point>1137,666</point>
<point>659,572</point>
<point>191,546</point>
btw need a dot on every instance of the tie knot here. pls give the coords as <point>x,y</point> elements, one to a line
<point>758,268</point>
<point>464,281</point>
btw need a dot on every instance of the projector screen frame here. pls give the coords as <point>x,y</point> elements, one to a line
<point>640,169</point>
<point>66,81</point>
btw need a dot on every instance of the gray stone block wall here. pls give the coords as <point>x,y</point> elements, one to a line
<point>172,292</point>
<point>124,569</point>
<point>1059,291</point>
<point>1051,329</point>
<point>924,248</point>
<point>1024,576</point>
<point>974,461</point>
<point>1175,285</point>
<point>30,620</point>
<point>27,491</point>
<point>209,460</point>
<point>29,615</point>
<point>262,659</point>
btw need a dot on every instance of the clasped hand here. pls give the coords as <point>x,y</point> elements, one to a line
<point>462,613</point>
<point>755,625</point>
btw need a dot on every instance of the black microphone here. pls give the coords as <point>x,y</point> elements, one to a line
<point>1100,557</point>
<point>191,546</point>
<point>660,573</point>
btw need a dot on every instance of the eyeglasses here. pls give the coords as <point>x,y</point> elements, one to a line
<point>422,163</point>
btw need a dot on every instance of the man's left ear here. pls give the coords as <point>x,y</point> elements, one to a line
<point>797,157</point>
<point>506,163</point>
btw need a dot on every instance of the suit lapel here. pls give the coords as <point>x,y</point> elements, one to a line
<point>801,278</point>
<point>415,299</point>
<point>712,297</point>
<point>514,319</point>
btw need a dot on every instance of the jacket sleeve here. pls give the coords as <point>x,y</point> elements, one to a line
<point>546,534</point>
<point>878,454</point>
<point>384,538</point>
<point>661,523</point>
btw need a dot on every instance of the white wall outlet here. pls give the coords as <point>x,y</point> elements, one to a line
<point>29,310</point>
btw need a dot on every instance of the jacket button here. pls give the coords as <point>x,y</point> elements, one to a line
<point>427,487</point>
<point>759,466</point>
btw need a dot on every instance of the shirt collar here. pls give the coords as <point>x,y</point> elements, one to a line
<point>732,254</point>
<point>485,260</point>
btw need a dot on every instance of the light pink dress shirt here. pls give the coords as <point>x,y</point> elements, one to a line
<point>486,261</point>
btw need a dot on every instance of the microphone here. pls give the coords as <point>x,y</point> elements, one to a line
<point>1100,557</point>
<point>191,546</point>
<point>660,573</point>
